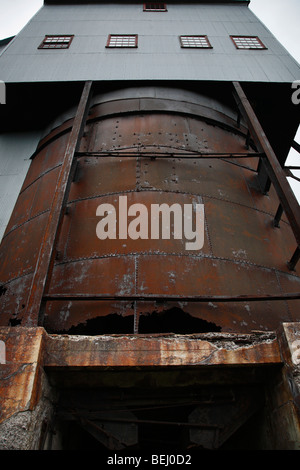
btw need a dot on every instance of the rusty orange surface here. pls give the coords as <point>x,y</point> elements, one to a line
<point>28,351</point>
<point>19,375</point>
<point>242,252</point>
<point>177,351</point>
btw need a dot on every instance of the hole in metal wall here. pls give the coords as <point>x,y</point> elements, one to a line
<point>109,324</point>
<point>14,322</point>
<point>173,320</point>
<point>2,290</point>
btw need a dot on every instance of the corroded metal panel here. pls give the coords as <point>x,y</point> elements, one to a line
<point>98,176</point>
<point>13,300</point>
<point>30,203</point>
<point>240,233</point>
<point>153,158</point>
<point>20,248</point>
<point>162,132</point>
<point>110,351</point>
<point>209,275</point>
<point>19,374</point>
<point>82,241</point>
<point>29,350</point>
<point>108,275</point>
<point>50,157</point>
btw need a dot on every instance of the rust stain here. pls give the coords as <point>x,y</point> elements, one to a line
<point>122,351</point>
<point>19,375</point>
<point>242,252</point>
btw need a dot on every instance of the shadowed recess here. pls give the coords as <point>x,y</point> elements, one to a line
<point>173,320</point>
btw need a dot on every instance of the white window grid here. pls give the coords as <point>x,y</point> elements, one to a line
<point>248,42</point>
<point>56,42</point>
<point>118,40</point>
<point>155,6</point>
<point>195,41</point>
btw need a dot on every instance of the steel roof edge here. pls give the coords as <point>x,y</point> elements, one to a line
<point>5,41</point>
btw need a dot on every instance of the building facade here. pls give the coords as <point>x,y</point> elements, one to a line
<point>149,260</point>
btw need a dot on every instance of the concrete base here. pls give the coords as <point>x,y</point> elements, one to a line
<point>26,399</point>
<point>31,358</point>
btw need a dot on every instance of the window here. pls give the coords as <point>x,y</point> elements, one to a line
<point>155,6</point>
<point>247,42</point>
<point>124,40</point>
<point>56,42</point>
<point>201,42</point>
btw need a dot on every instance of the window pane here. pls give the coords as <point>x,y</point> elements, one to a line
<point>155,6</point>
<point>247,42</point>
<point>122,41</point>
<point>56,42</point>
<point>195,41</point>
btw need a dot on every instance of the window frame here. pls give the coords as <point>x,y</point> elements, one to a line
<point>259,41</point>
<point>155,10</point>
<point>204,36</point>
<point>110,36</point>
<point>56,45</point>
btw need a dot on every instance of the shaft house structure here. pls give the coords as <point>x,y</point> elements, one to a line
<point>124,331</point>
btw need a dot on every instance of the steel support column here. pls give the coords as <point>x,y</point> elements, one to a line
<point>275,172</point>
<point>57,211</point>
<point>296,146</point>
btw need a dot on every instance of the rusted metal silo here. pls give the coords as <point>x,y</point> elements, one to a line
<point>154,146</point>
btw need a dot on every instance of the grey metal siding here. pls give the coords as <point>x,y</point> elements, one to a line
<point>15,152</point>
<point>159,55</point>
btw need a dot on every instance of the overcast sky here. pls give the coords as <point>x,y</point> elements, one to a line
<point>281,17</point>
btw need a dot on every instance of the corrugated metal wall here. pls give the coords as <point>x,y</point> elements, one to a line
<point>158,56</point>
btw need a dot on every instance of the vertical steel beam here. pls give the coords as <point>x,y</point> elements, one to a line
<point>276,173</point>
<point>47,249</point>
<point>263,177</point>
<point>294,259</point>
<point>296,146</point>
<point>278,215</point>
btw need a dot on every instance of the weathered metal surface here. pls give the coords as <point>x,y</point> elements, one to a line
<point>243,253</point>
<point>274,169</point>
<point>165,132</point>
<point>19,374</point>
<point>289,340</point>
<point>285,397</point>
<point>19,250</point>
<point>27,350</point>
<point>159,393</point>
<point>194,350</point>
<point>52,229</point>
<point>50,157</point>
<point>13,300</point>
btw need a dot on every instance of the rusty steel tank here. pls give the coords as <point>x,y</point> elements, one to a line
<point>154,145</point>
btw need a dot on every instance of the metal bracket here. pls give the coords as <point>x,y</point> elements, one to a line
<point>274,170</point>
